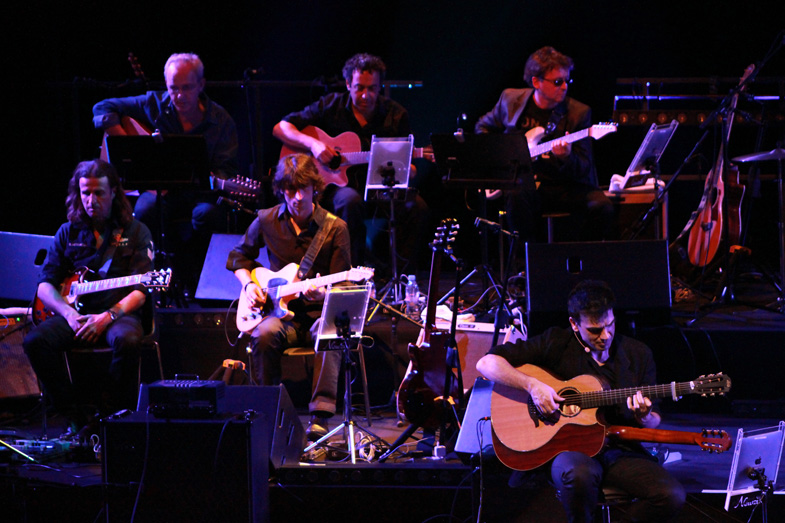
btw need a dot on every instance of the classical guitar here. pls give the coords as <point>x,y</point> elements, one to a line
<point>421,391</point>
<point>281,287</point>
<point>519,427</point>
<point>75,286</point>
<point>706,226</point>
<point>349,149</point>
<point>711,440</point>
<point>240,187</point>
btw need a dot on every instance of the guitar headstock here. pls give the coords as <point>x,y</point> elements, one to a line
<point>360,273</point>
<point>157,279</point>
<point>445,235</point>
<point>239,187</point>
<point>714,440</point>
<point>601,129</point>
<point>711,384</point>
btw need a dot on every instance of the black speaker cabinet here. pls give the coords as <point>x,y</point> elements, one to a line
<point>187,470</point>
<point>283,429</point>
<point>637,271</point>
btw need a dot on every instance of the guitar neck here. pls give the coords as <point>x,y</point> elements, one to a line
<point>301,286</point>
<point>654,435</point>
<point>548,146</point>
<point>360,157</point>
<point>601,398</point>
<point>78,289</point>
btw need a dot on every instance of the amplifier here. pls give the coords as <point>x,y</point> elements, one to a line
<point>186,398</point>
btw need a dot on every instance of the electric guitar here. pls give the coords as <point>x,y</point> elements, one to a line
<point>281,287</point>
<point>519,427</point>
<point>713,441</point>
<point>75,286</point>
<point>534,135</point>
<point>349,149</point>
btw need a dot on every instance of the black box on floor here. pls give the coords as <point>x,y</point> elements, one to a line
<point>189,470</point>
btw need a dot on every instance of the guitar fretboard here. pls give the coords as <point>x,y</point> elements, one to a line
<point>601,398</point>
<point>547,146</point>
<point>87,287</point>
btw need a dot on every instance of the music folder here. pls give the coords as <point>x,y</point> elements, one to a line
<point>484,161</point>
<point>160,161</point>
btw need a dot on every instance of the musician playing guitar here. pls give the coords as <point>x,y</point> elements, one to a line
<point>364,111</point>
<point>102,235</point>
<point>183,108</point>
<point>566,176</point>
<point>289,230</point>
<point>590,347</point>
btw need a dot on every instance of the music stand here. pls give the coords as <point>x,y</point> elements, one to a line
<point>484,161</point>
<point>756,461</point>
<point>646,160</point>
<point>388,177</point>
<point>343,318</point>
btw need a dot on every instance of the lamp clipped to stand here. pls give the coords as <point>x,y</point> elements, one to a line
<point>343,317</point>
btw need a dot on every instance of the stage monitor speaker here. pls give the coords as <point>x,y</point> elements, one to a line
<point>283,429</point>
<point>215,282</point>
<point>18,378</point>
<point>20,267</point>
<point>188,470</point>
<point>637,271</point>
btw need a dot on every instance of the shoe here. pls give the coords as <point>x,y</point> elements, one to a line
<point>317,428</point>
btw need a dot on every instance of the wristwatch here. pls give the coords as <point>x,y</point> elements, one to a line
<point>114,314</point>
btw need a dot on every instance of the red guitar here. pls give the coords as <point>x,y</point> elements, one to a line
<point>75,286</point>
<point>281,287</point>
<point>707,228</point>
<point>350,151</point>
<point>520,431</point>
<point>421,391</point>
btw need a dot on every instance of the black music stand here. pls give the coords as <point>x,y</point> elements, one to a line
<point>485,161</point>
<point>160,162</point>
<point>343,318</point>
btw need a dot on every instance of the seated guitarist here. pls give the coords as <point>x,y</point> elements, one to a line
<point>591,347</point>
<point>183,108</point>
<point>102,235</point>
<point>362,110</point>
<point>567,176</point>
<point>288,230</point>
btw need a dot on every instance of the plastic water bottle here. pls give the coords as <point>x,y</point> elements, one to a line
<point>412,298</point>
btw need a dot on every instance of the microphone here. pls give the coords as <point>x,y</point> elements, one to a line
<point>585,347</point>
<point>492,225</point>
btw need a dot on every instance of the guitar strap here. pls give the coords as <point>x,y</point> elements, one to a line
<point>313,250</point>
<point>556,117</point>
<point>109,246</point>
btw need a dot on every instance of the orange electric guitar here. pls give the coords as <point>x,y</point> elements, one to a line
<point>349,149</point>
<point>531,439</point>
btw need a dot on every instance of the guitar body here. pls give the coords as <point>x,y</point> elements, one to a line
<point>706,233</point>
<point>41,312</point>
<point>343,143</point>
<point>247,318</point>
<point>518,425</point>
<point>131,127</point>
<point>734,193</point>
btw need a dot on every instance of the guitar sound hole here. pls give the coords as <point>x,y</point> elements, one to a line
<point>566,409</point>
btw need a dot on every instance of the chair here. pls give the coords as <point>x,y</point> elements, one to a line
<point>549,217</point>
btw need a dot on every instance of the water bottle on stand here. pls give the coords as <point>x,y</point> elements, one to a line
<point>412,298</point>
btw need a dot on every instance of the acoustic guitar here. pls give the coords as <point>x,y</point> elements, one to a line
<point>349,149</point>
<point>518,426</point>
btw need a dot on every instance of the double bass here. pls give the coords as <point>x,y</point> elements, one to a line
<point>706,232</point>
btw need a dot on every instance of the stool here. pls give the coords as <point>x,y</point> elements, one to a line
<point>609,497</point>
<point>549,217</point>
<point>309,351</point>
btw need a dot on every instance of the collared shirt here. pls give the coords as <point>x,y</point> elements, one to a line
<point>74,247</point>
<point>156,111</point>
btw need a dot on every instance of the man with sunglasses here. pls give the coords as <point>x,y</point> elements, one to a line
<point>591,347</point>
<point>566,177</point>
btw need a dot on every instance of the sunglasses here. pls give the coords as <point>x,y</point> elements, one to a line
<point>558,82</point>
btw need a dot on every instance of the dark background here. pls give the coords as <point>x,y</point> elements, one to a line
<point>60,58</point>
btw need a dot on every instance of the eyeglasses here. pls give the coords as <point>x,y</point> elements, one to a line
<point>558,81</point>
<point>596,331</point>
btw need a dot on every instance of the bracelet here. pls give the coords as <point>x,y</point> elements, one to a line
<point>245,287</point>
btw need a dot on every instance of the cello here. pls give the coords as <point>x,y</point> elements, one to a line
<point>706,232</point>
